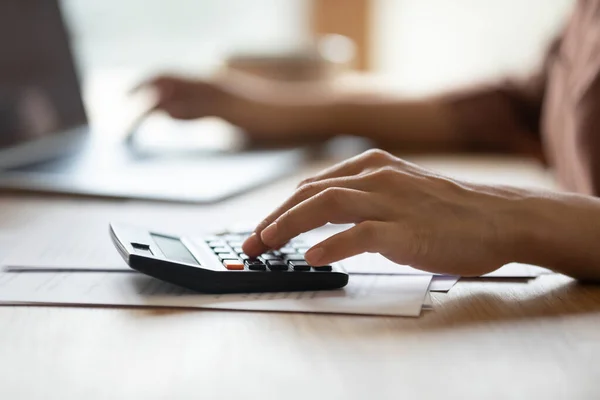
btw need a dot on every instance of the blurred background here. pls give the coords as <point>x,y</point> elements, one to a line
<point>416,46</point>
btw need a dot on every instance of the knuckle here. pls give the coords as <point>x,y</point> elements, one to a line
<point>377,155</point>
<point>448,184</point>
<point>307,190</point>
<point>367,233</point>
<point>284,222</point>
<point>367,229</point>
<point>305,182</point>
<point>333,195</point>
<point>285,218</point>
<point>386,174</point>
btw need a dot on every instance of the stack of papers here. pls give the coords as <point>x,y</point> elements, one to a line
<point>366,295</point>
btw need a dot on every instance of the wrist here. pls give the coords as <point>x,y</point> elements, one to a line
<point>527,230</point>
<point>307,116</point>
<point>556,231</point>
<point>413,125</point>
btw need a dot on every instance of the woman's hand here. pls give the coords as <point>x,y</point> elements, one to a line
<point>408,214</point>
<point>184,98</point>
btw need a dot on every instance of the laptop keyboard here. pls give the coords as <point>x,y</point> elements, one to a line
<point>290,258</point>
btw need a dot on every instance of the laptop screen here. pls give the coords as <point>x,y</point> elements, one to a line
<point>39,89</point>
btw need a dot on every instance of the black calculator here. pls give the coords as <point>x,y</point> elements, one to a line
<point>217,263</point>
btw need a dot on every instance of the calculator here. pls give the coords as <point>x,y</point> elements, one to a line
<point>217,263</point>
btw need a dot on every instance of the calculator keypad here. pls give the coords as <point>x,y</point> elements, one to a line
<point>228,248</point>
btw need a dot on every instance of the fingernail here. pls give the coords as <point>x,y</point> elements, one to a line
<point>314,255</point>
<point>252,245</point>
<point>270,233</point>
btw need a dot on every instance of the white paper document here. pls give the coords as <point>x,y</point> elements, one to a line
<point>392,295</point>
<point>6,243</point>
<point>65,248</point>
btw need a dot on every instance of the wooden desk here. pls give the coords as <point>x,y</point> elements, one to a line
<point>484,339</point>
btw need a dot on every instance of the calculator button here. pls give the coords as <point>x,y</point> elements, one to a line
<point>236,244</point>
<point>244,256</point>
<point>255,265</point>
<point>217,243</point>
<point>268,256</point>
<point>238,250</point>
<point>299,265</point>
<point>233,265</point>
<point>276,265</point>
<point>323,268</point>
<point>221,250</point>
<point>228,256</point>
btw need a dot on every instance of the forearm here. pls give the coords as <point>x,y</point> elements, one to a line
<point>558,231</point>
<point>322,110</point>
<point>479,120</point>
<point>325,110</point>
<point>390,122</point>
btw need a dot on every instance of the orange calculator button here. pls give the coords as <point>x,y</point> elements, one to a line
<point>233,264</point>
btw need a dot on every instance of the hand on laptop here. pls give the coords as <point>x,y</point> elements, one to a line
<point>255,105</point>
<point>408,214</point>
<point>185,98</point>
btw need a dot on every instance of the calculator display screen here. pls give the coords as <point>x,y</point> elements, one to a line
<point>173,249</point>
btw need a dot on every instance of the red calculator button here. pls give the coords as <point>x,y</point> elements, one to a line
<point>233,265</point>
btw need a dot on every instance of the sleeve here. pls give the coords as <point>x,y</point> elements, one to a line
<point>572,131</point>
<point>577,161</point>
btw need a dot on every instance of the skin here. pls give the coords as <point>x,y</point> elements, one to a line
<point>408,214</point>
<point>416,217</point>
<point>269,111</point>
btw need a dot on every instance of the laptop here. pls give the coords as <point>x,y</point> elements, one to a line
<point>45,140</point>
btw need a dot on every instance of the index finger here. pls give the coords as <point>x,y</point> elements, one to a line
<point>335,205</point>
<point>254,244</point>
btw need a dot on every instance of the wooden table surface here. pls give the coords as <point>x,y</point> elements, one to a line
<point>484,339</point>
